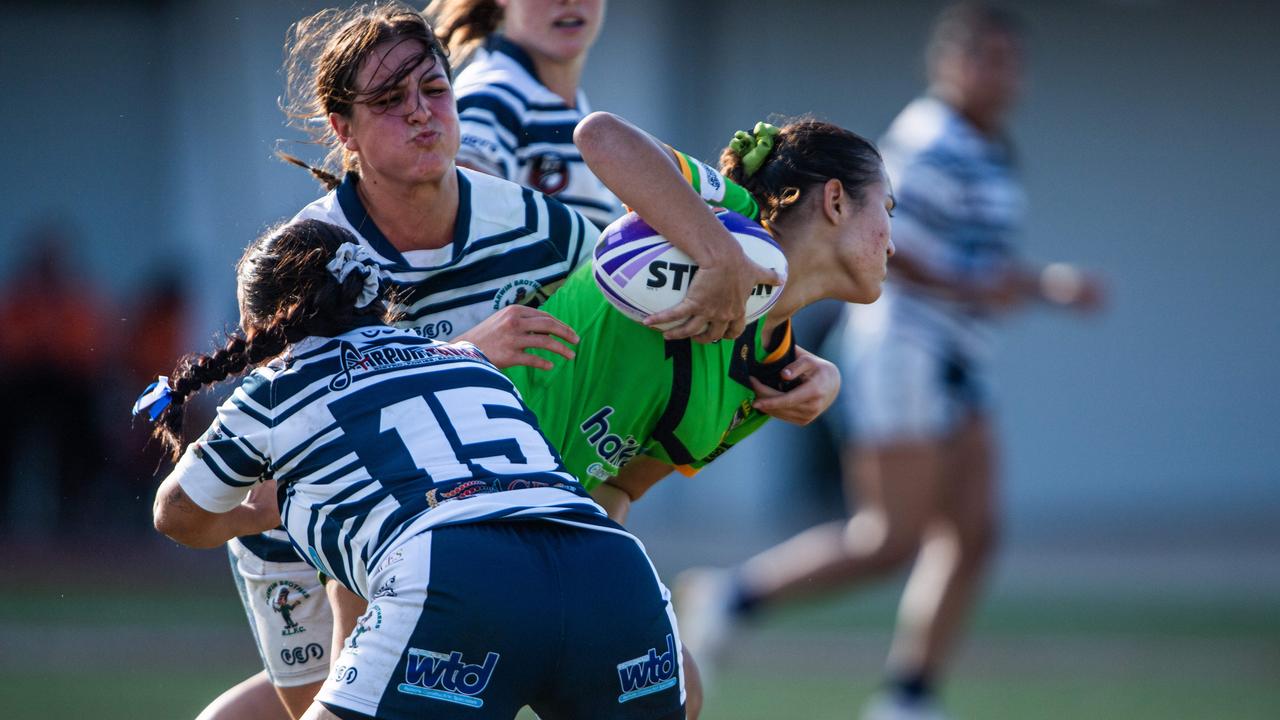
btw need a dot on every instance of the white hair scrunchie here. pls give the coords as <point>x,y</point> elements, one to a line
<point>351,256</point>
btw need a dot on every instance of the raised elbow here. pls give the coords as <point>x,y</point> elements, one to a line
<point>167,525</point>
<point>594,132</point>
<point>170,523</point>
<point>176,517</point>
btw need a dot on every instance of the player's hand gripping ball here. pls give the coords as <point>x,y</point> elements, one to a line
<point>641,273</point>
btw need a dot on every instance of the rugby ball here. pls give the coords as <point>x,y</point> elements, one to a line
<point>641,273</point>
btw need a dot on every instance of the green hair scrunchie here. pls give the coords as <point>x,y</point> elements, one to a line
<point>754,148</point>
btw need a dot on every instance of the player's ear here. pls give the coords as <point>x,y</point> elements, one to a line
<point>341,125</point>
<point>834,202</point>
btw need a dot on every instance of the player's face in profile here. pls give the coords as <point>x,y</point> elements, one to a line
<point>866,244</point>
<point>409,133</point>
<point>561,30</point>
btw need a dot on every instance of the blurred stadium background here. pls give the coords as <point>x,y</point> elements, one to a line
<point>1140,576</point>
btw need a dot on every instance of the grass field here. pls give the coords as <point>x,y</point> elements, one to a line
<point>159,644</point>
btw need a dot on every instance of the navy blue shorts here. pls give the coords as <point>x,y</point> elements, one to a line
<point>477,620</point>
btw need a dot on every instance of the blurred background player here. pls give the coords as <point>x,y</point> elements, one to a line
<point>921,459</point>
<point>519,96</point>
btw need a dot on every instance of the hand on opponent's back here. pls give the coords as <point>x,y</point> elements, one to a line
<point>506,336</point>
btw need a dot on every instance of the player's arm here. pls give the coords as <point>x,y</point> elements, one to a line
<point>713,186</point>
<point>817,386</point>
<point>217,490</point>
<point>645,176</point>
<point>1017,283</point>
<point>633,481</point>
<point>506,336</point>
<point>179,517</point>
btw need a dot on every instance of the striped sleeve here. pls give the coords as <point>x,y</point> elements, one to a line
<point>570,232</point>
<point>491,132</point>
<point>218,470</point>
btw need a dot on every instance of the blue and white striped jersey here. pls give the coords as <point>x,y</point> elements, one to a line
<point>373,437</point>
<point>959,206</point>
<point>510,245</point>
<point>515,128</point>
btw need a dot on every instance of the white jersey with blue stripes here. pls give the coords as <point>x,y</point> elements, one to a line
<point>514,127</point>
<point>959,206</point>
<point>376,436</point>
<point>511,245</point>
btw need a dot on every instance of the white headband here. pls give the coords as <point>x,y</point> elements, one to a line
<point>351,256</point>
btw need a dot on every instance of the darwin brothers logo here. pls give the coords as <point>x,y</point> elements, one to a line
<point>281,596</point>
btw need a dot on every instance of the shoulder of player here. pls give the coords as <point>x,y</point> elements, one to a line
<point>325,207</point>
<point>927,129</point>
<point>328,209</point>
<point>497,202</point>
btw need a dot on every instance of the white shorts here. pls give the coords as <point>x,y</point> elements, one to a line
<point>899,388</point>
<point>288,613</point>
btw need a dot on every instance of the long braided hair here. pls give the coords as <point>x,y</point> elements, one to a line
<point>286,293</point>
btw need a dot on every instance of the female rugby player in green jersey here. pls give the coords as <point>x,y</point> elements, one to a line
<point>631,406</point>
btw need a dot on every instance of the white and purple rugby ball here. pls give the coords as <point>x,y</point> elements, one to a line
<point>641,273</point>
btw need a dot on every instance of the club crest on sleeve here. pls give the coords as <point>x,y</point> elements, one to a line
<point>548,173</point>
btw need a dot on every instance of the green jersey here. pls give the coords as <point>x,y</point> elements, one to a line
<point>629,392</point>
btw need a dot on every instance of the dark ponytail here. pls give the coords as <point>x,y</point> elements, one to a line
<point>287,293</point>
<point>806,152</point>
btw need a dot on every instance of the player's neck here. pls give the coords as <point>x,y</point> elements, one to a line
<point>560,77</point>
<point>986,122</point>
<point>795,296</point>
<point>418,217</point>
<point>805,270</point>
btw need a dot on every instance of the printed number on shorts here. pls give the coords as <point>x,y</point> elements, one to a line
<point>446,433</point>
